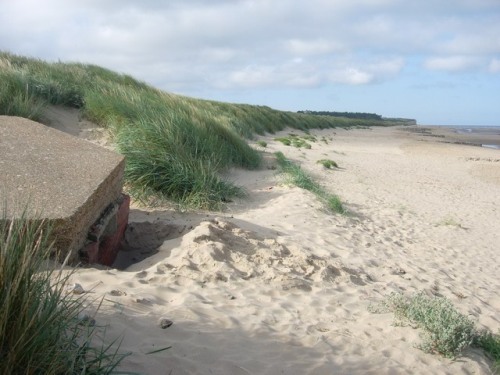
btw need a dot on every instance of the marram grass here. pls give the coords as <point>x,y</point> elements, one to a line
<point>41,331</point>
<point>194,140</point>
<point>296,176</point>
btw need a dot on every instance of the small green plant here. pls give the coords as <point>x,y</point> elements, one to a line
<point>293,140</point>
<point>446,331</point>
<point>286,141</point>
<point>334,203</point>
<point>490,343</point>
<point>299,178</point>
<point>262,143</point>
<point>309,137</point>
<point>327,163</point>
<point>449,221</point>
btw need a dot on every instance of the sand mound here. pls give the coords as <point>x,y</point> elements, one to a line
<point>220,251</point>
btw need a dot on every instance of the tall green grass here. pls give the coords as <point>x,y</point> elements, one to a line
<point>193,141</point>
<point>16,98</point>
<point>163,157</point>
<point>40,328</point>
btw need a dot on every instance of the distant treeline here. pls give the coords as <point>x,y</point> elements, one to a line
<point>356,115</point>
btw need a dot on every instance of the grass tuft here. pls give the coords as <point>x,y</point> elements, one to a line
<point>170,160</point>
<point>327,163</point>
<point>296,141</point>
<point>40,328</point>
<point>299,178</point>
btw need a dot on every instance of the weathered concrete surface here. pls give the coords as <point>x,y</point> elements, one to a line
<point>105,236</point>
<point>63,179</point>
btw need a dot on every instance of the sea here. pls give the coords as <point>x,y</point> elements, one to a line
<point>489,134</point>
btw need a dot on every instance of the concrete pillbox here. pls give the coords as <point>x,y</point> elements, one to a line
<point>65,180</point>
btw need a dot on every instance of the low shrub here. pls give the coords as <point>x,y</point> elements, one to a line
<point>446,331</point>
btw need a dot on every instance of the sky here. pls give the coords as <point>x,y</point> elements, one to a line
<point>437,61</point>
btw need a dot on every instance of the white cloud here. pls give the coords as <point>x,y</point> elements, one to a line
<point>494,66</point>
<point>359,73</point>
<point>256,43</point>
<point>292,74</point>
<point>351,76</point>
<point>299,72</point>
<point>254,76</point>
<point>307,47</point>
<point>388,67</point>
<point>451,63</point>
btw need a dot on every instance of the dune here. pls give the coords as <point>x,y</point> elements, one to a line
<point>275,284</point>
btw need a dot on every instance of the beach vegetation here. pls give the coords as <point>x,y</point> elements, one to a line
<point>262,143</point>
<point>296,141</point>
<point>43,328</point>
<point>16,100</point>
<point>353,115</point>
<point>159,133</point>
<point>310,138</point>
<point>285,140</point>
<point>490,343</point>
<point>297,177</point>
<point>446,331</point>
<point>328,163</point>
<point>449,221</point>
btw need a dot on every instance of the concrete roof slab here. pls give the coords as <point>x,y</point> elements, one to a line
<point>58,177</point>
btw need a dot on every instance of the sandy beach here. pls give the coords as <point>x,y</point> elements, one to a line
<point>277,285</point>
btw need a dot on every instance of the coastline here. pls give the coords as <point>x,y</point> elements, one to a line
<point>480,136</point>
